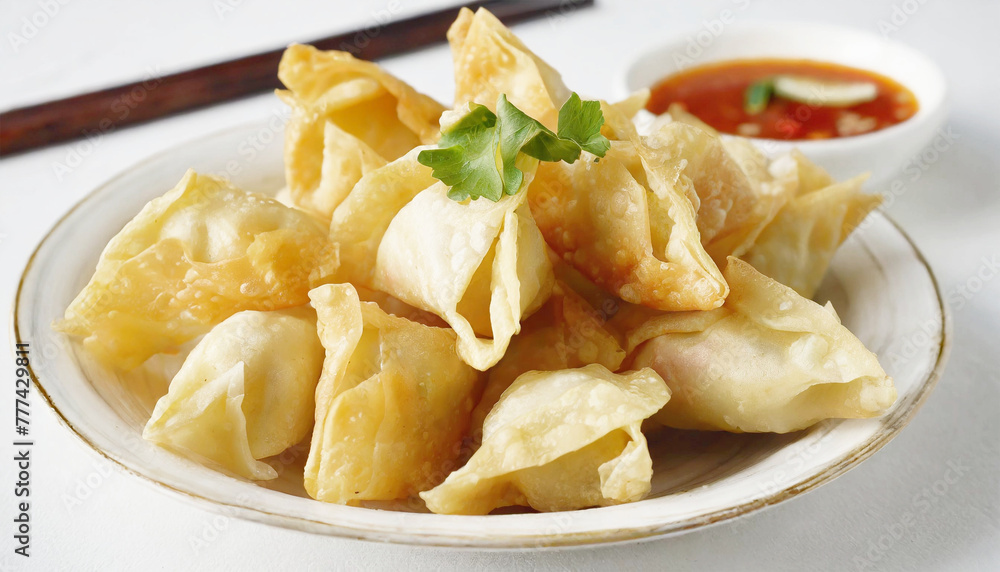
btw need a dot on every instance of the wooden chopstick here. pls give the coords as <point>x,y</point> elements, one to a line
<point>110,109</point>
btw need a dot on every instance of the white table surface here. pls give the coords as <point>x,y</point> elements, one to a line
<point>952,210</point>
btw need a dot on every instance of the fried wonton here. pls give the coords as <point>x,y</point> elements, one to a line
<point>190,259</point>
<point>349,116</point>
<point>559,440</point>
<point>739,190</point>
<point>622,223</point>
<point>490,60</point>
<point>769,360</point>
<point>796,248</point>
<point>396,307</point>
<point>244,393</point>
<point>633,104</point>
<point>479,265</point>
<point>679,113</point>
<point>345,160</point>
<point>392,405</point>
<point>565,333</point>
<point>812,177</point>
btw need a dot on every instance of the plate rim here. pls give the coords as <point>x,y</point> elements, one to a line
<point>532,540</point>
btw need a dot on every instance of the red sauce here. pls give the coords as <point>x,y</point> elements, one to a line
<point>715,94</point>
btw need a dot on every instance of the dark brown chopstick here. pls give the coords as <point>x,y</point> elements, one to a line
<point>110,109</point>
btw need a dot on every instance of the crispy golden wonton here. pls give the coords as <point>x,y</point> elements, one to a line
<point>345,160</point>
<point>392,406</point>
<point>191,258</point>
<point>490,60</point>
<point>769,360</point>
<point>739,191</point>
<point>565,333</point>
<point>244,393</point>
<point>559,440</point>
<point>621,223</point>
<point>806,213</point>
<point>477,353</point>
<point>677,112</point>
<point>349,117</point>
<point>796,248</point>
<point>739,202</point>
<point>479,265</point>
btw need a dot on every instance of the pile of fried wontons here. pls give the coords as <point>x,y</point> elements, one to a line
<point>481,354</point>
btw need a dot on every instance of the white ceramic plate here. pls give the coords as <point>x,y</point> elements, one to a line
<point>879,283</point>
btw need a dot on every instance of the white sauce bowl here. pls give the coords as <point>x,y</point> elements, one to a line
<point>883,153</point>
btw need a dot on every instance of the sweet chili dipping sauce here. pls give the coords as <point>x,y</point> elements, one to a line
<point>718,95</point>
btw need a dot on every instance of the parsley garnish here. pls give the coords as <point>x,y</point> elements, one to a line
<point>476,154</point>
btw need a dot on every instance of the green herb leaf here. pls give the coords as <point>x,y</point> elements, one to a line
<point>581,121</point>
<point>465,159</point>
<point>477,155</point>
<point>522,134</point>
<point>757,96</point>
